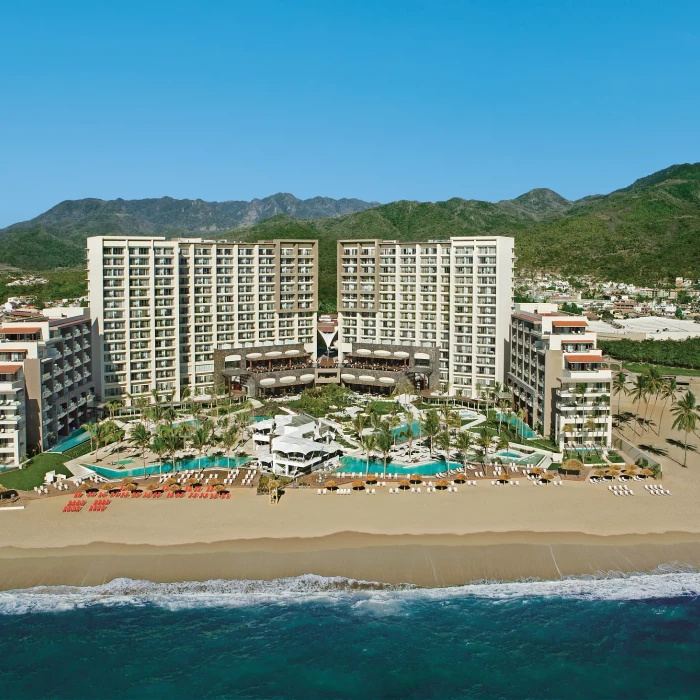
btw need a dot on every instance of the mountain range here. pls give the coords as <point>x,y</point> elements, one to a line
<point>644,233</point>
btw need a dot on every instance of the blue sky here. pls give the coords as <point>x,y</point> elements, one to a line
<point>379,100</point>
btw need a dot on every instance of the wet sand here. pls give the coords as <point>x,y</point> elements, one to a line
<point>437,560</point>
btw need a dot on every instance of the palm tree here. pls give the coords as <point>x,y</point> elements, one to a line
<point>445,414</point>
<point>686,418</point>
<point>520,428</point>
<point>200,442</point>
<point>444,442</point>
<point>668,393</point>
<point>385,441</point>
<point>393,421</point>
<point>589,426</point>
<point>430,426</point>
<point>368,443</point>
<point>619,388</point>
<point>463,443</point>
<point>504,444</point>
<point>484,442</point>
<point>654,382</point>
<point>111,407</point>
<point>229,440</point>
<point>359,423</point>
<point>502,406</point>
<point>140,438</point>
<point>185,394</point>
<point>638,393</point>
<point>567,428</point>
<point>159,446</point>
<point>91,430</point>
<point>407,434</point>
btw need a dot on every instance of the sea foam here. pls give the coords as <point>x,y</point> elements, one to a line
<point>360,595</point>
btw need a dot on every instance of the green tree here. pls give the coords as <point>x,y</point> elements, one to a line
<point>201,441</point>
<point>484,443</point>
<point>444,442</point>
<point>368,442</point>
<point>140,438</point>
<point>686,418</point>
<point>639,394</point>
<point>667,393</point>
<point>463,444</point>
<point>619,388</point>
<point>430,426</point>
<point>159,447</point>
<point>229,440</point>
<point>385,441</point>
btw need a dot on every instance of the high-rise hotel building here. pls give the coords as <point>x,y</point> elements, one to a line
<point>455,295</point>
<point>163,306</point>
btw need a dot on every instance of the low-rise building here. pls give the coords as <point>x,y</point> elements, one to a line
<point>558,376</point>
<point>290,445</point>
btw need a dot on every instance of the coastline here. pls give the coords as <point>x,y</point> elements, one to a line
<point>421,560</point>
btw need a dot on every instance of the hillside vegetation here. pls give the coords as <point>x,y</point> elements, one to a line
<point>644,233</point>
<point>675,353</point>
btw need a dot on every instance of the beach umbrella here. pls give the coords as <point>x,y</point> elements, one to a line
<point>546,478</point>
<point>221,487</point>
<point>460,478</point>
<point>330,485</point>
<point>535,470</point>
<point>646,472</point>
<point>193,481</point>
<point>371,480</point>
<point>415,478</point>
<point>129,487</point>
<point>630,469</point>
<point>128,480</point>
<point>600,472</point>
<point>91,489</point>
<point>175,488</point>
<point>215,482</point>
<point>404,484</point>
<point>503,478</point>
<point>441,484</point>
<point>154,487</point>
<point>2,488</point>
<point>358,485</point>
<point>572,465</point>
<point>172,480</point>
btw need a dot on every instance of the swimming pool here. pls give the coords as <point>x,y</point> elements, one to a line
<point>77,438</point>
<point>415,429</point>
<point>167,467</point>
<point>358,464</point>
<point>523,428</point>
<point>469,415</point>
<point>510,455</point>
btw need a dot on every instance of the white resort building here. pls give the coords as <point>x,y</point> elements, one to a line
<point>163,307</point>
<point>451,295</point>
<point>559,377</point>
<point>289,445</point>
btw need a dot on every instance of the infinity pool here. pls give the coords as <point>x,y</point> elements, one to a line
<point>357,464</point>
<point>167,467</point>
<point>77,438</point>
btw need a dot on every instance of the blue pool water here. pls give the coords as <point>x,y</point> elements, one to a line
<point>523,428</point>
<point>637,637</point>
<point>180,465</point>
<point>511,455</point>
<point>359,464</point>
<point>77,438</point>
<point>415,429</point>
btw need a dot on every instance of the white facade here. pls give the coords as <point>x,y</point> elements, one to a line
<point>13,442</point>
<point>558,376</point>
<point>163,306</point>
<point>454,294</point>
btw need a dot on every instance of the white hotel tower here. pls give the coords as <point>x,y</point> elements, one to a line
<point>455,295</point>
<point>162,306</point>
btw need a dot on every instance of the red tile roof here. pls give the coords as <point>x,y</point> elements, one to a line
<point>575,357</point>
<point>20,329</point>
<point>577,322</point>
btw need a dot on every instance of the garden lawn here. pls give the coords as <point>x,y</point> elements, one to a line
<point>664,369</point>
<point>33,474</point>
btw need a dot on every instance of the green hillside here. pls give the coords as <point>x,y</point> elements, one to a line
<point>643,233</point>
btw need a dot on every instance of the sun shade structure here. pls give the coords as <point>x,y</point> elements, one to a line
<point>330,485</point>
<point>358,485</point>
<point>571,465</point>
<point>415,479</point>
<point>441,484</point>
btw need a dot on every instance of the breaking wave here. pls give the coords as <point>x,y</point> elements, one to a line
<point>666,582</point>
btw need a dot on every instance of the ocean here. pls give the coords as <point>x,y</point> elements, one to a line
<point>311,637</point>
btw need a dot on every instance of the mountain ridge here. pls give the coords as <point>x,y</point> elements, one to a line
<point>643,233</point>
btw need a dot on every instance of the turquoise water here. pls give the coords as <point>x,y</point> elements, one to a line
<point>415,429</point>
<point>180,465</point>
<point>511,455</point>
<point>358,464</point>
<point>523,428</point>
<point>576,640</point>
<point>77,438</point>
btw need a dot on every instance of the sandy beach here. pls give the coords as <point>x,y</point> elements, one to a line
<point>434,539</point>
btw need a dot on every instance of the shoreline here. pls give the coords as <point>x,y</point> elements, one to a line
<point>423,560</point>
